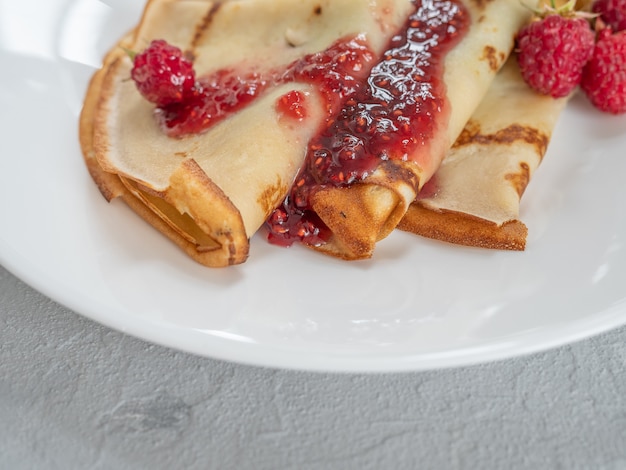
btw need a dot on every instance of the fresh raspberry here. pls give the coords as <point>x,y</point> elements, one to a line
<point>604,77</point>
<point>612,12</point>
<point>552,52</point>
<point>162,74</point>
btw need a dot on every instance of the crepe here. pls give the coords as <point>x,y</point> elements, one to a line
<point>474,197</point>
<point>363,213</point>
<point>210,192</point>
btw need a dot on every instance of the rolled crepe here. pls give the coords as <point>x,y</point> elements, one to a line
<point>474,197</point>
<point>363,213</point>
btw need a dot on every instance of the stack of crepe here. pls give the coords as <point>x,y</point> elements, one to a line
<point>210,192</point>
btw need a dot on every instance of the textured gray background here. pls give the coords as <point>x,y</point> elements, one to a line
<point>76,395</point>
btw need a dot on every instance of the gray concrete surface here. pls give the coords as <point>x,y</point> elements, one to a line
<point>77,395</point>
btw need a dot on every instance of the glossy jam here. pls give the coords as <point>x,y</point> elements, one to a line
<point>215,97</point>
<point>389,112</point>
<point>292,105</point>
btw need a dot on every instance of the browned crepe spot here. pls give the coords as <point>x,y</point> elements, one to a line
<point>467,135</point>
<point>272,196</point>
<point>521,179</point>
<point>204,25</point>
<point>494,58</point>
<point>509,135</point>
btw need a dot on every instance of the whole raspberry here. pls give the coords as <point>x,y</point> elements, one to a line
<point>552,51</point>
<point>162,73</point>
<point>604,76</point>
<point>612,12</point>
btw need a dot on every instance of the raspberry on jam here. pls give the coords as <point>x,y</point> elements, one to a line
<point>216,96</point>
<point>186,104</point>
<point>162,74</point>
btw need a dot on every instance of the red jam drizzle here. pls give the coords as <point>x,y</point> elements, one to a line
<point>215,97</point>
<point>392,114</point>
<point>337,72</point>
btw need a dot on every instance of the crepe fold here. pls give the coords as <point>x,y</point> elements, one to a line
<point>366,212</point>
<point>210,192</point>
<point>474,197</point>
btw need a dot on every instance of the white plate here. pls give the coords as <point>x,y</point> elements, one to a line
<point>417,305</point>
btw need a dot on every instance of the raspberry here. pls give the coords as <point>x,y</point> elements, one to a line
<point>612,12</point>
<point>552,52</point>
<point>162,74</point>
<point>604,77</point>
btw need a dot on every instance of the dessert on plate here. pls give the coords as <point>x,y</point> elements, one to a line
<point>320,120</point>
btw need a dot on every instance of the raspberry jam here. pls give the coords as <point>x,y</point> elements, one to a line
<point>214,98</point>
<point>377,111</point>
<point>292,105</point>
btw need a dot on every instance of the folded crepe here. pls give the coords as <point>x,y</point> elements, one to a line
<point>474,197</point>
<point>210,192</point>
<point>360,214</point>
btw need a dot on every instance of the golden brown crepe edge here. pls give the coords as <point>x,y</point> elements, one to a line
<point>232,250</point>
<point>464,229</point>
<point>355,219</point>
